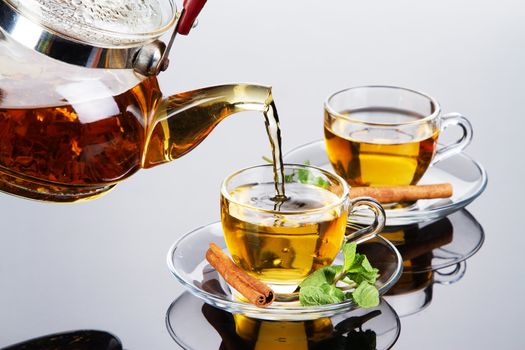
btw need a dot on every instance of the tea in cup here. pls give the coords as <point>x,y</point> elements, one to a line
<point>387,136</point>
<point>281,242</point>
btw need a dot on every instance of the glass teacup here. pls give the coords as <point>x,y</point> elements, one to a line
<point>282,242</point>
<point>387,136</point>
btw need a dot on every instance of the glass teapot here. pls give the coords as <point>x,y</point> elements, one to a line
<point>80,105</point>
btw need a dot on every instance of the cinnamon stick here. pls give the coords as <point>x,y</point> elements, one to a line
<point>250,287</point>
<point>391,194</point>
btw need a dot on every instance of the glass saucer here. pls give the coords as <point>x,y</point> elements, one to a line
<point>375,328</point>
<point>468,178</point>
<point>186,260</point>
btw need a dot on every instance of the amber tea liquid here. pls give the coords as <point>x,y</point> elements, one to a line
<point>282,249</point>
<point>367,155</point>
<point>59,150</point>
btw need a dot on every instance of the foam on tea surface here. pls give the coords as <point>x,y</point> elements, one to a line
<point>300,197</point>
<point>85,19</point>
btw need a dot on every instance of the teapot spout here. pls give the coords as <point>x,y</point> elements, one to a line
<point>184,120</point>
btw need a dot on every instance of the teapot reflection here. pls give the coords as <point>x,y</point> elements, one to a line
<point>241,332</point>
<point>69,133</point>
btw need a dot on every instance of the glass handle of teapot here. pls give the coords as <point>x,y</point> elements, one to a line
<point>454,119</point>
<point>189,14</point>
<point>369,232</point>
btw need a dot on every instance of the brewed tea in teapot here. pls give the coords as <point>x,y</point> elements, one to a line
<point>70,132</point>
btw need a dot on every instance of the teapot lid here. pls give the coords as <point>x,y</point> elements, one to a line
<point>92,33</point>
<point>101,23</point>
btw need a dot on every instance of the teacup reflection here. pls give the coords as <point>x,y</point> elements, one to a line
<point>241,332</point>
<point>416,244</point>
<point>439,244</point>
<point>376,328</point>
<point>433,253</point>
<point>413,292</point>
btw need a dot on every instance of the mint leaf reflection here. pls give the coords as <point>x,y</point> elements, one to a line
<point>349,334</point>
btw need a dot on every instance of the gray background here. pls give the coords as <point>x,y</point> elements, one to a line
<point>101,264</point>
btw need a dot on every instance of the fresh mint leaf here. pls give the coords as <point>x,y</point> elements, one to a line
<point>320,182</point>
<point>365,264</point>
<point>362,277</point>
<point>320,295</point>
<point>304,176</point>
<point>333,292</point>
<point>366,295</point>
<point>349,250</point>
<point>356,264</point>
<point>324,275</point>
<point>321,286</point>
<point>267,159</point>
<point>311,296</point>
<point>349,283</point>
<point>361,270</point>
<point>289,178</point>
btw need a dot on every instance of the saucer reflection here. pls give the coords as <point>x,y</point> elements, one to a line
<point>241,332</point>
<point>375,328</point>
<point>413,292</point>
<point>436,245</point>
<point>433,253</point>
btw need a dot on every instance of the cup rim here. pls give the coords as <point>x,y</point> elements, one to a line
<point>341,198</point>
<point>425,119</point>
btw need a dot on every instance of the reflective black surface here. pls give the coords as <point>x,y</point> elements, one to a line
<point>434,253</point>
<point>195,325</point>
<point>374,328</point>
<point>74,340</point>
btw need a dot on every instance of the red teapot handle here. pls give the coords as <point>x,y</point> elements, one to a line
<point>191,10</point>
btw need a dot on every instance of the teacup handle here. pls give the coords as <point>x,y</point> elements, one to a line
<point>450,277</point>
<point>375,228</point>
<point>451,119</point>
